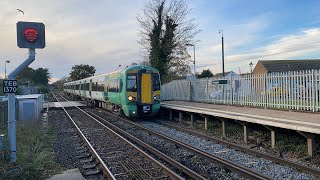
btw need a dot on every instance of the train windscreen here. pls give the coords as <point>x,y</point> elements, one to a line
<point>132,82</point>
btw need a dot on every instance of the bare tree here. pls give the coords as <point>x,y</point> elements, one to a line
<point>185,29</point>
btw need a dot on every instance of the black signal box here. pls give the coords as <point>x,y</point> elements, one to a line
<point>31,35</point>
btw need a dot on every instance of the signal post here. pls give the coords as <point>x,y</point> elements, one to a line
<point>30,35</point>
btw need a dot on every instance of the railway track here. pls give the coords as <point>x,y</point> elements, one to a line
<point>311,170</point>
<point>128,132</point>
<point>117,157</point>
<point>205,156</point>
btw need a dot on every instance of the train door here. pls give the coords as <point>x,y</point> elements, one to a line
<point>106,88</point>
<point>120,86</point>
<point>84,89</point>
<point>90,87</point>
<point>145,88</point>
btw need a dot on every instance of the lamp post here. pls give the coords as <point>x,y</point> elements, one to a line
<point>221,32</point>
<point>5,68</point>
<point>251,67</point>
<point>194,58</point>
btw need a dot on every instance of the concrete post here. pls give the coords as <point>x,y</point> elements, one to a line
<point>273,138</point>
<point>310,142</point>
<point>192,120</point>
<point>311,148</point>
<point>245,133</point>
<point>206,123</point>
<point>180,117</point>
<point>223,127</point>
<point>273,135</point>
<point>170,114</point>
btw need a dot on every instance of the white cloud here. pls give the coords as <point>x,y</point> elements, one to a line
<point>303,44</point>
<point>104,34</point>
<point>236,36</point>
<point>239,53</point>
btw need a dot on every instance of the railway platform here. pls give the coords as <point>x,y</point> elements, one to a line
<point>305,123</point>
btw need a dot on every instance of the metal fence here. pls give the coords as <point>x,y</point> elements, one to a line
<point>3,114</point>
<point>298,90</point>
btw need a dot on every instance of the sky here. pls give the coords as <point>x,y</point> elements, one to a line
<point>104,33</point>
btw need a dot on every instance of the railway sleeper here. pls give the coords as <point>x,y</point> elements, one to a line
<point>90,173</point>
<point>84,155</point>
<point>87,160</point>
<point>89,166</point>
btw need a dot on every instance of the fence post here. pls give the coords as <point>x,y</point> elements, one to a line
<point>2,108</point>
<point>265,90</point>
<point>195,88</point>
<point>231,90</point>
<point>189,91</point>
<point>313,91</point>
<point>207,89</point>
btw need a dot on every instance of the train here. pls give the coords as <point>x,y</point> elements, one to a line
<point>133,91</point>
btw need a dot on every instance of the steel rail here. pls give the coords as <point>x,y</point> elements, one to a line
<point>101,164</point>
<point>165,169</point>
<point>215,159</point>
<point>174,163</point>
<point>303,168</point>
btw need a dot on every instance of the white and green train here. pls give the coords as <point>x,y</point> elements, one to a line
<point>133,91</point>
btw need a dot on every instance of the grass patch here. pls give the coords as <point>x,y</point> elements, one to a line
<point>291,143</point>
<point>35,156</point>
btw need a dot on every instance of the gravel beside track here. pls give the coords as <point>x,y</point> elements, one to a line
<point>194,162</point>
<point>266,167</point>
<point>68,147</point>
<point>124,161</point>
<point>66,139</point>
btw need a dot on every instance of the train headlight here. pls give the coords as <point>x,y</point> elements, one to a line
<point>156,97</point>
<point>131,98</point>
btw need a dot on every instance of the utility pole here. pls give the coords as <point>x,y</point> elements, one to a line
<point>251,64</point>
<point>221,32</point>
<point>5,68</point>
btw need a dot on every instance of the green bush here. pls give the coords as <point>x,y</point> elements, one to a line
<point>35,158</point>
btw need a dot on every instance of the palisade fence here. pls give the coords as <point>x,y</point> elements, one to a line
<point>297,90</point>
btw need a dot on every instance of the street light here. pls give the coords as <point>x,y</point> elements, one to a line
<point>251,66</point>
<point>194,57</point>
<point>5,68</point>
<point>221,32</point>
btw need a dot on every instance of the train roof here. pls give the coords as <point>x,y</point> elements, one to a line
<point>129,68</point>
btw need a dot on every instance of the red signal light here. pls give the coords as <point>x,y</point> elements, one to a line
<point>31,34</point>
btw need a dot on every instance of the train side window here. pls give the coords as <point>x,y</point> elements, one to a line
<point>120,85</point>
<point>87,86</point>
<point>131,82</point>
<point>156,82</point>
<point>106,85</point>
<point>101,88</point>
<point>113,85</point>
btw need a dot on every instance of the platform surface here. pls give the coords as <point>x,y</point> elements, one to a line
<point>71,174</point>
<point>64,104</point>
<point>300,121</point>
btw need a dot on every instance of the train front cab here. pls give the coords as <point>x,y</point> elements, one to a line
<point>143,93</point>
